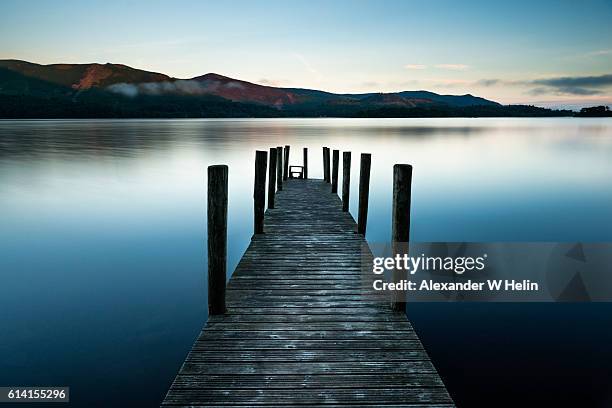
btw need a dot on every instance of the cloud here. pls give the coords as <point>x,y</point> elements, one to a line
<point>567,90</point>
<point>538,91</point>
<point>564,91</point>
<point>273,82</point>
<point>580,85</point>
<point>268,82</point>
<point>180,86</point>
<point>234,85</point>
<point>488,82</point>
<point>599,53</point>
<point>415,66</point>
<point>449,82</point>
<point>124,89</point>
<point>454,67</point>
<point>581,81</point>
<point>371,84</point>
<point>577,85</point>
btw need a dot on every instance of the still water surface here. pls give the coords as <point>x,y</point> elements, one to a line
<point>102,243</point>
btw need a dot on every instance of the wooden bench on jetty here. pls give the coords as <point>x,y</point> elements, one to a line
<point>291,328</point>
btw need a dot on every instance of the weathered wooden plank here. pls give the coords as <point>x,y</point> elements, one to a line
<point>316,276</point>
<point>373,336</point>
<point>314,304</point>
<point>307,381</point>
<point>394,326</point>
<point>280,397</point>
<point>305,311</point>
<point>283,344</point>
<point>307,319</point>
<point>256,299</point>
<point>269,285</point>
<point>321,355</point>
<point>280,368</point>
<point>306,284</point>
<point>340,293</point>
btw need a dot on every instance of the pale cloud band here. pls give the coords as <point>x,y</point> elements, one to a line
<point>566,85</point>
<point>415,66</point>
<point>453,67</point>
<point>599,53</point>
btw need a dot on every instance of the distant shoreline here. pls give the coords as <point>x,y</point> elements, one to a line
<point>298,117</point>
<point>20,107</point>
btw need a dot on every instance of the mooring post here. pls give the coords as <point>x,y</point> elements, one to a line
<point>335,165</point>
<point>400,230</point>
<point>272,178</point>
<point>346,180</point>
<point>364,192</point>
<point>305,162</point>
<point>286,168</point>
<point>326,164</point>
<point>324,172</point>
<point>259,190</point>
<point>279,167</point>
<point>217,238</point>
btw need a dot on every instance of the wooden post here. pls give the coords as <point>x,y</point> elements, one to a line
<point>324,172</point>
<point>259,191</point>
<point>326,164</point>
<point>286,168</point>
<point>335,164</point>
<point>346,180</point>
<point>217,238</point>
<point>272,178</point>
<point>279,167</point>
<point>364,192</point>
<point>400,232</point>
<point>305,162</point>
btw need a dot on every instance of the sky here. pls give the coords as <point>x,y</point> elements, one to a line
<point>548,53</point>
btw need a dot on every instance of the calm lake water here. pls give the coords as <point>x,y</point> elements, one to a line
<point>102,244</point>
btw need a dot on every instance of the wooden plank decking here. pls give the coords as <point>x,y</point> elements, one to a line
<point>297,331</point>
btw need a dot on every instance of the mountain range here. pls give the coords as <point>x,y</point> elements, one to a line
<point>114,90</point>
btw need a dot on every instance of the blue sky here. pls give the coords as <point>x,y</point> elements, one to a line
<point>545,52</point>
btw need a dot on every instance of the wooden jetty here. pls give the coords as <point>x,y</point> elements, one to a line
<point>291,327</point>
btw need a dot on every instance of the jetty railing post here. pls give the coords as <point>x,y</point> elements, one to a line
<point>272,178</point>
<point>346,180</point>
<point>305,162</point>
<point>286,168</point>
<point>324,172</point>
<point>326,164</point>
<point>335,164</point>
<point>279,167</point>
<point>259,190</point>
<point>364,192</point>
<point>217,238</point>
<point>400,230</point>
